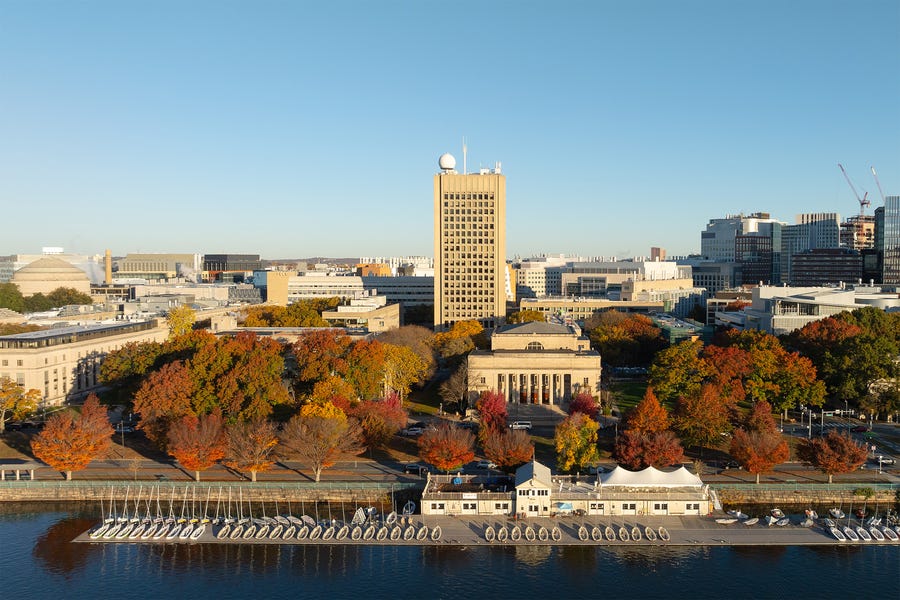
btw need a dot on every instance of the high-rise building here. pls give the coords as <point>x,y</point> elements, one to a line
<point>469,246</point>
<point>858,232</point>
<point>887,236</point>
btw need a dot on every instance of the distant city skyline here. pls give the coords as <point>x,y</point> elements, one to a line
<point>298,129</point>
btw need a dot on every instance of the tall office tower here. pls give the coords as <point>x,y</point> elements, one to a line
<point>469,246</point>
<point>813,231</point>
<point>887,220</point>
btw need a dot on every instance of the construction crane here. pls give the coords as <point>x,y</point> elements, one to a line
<point>878,183</point>
<point>863,202</point>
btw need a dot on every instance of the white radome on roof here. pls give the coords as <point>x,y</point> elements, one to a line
<point>446,162</point>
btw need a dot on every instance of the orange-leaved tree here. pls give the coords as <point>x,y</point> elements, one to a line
<point>649,416</point>
<point>165,396</point>
<point>70,441</point>
<point>198,442</point>
<point>509,448</point>
<point>250,446</point>
<point>758,445</point>
<point>15,401</point>
<point>832,454</point>
<point>319,434</point>
<point>646,439</point>
<point>447,447</point>
<point>576,442</point>
<point>701,419</point>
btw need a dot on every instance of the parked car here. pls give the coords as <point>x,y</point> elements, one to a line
<point>124,428</point>
<point>412,431</point>
<point>732,464</point>
<point>860,429</point>
<point>415,469</point>
<point>485,464</point>
<point>14,426</point>
<point>520,425</point>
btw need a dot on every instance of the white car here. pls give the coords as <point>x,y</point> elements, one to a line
<point>520,425</point>
<point>413,431</point>
<point>485,464</point>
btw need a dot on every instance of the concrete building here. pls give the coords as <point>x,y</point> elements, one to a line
<point>158,266</point>
<point>64,362</point>
<point>371,312</point>
<point>678,296</point>
<point>469,246</point>
<point>536,363</point>
<point>536,492</point>
<point>578,309</point>
<point>715,276</point>
<point>780,310</point>
<point>812,231</point>
<point>230,267</point>
<point>49,273</point>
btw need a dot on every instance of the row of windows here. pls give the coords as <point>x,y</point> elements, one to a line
<point>468,211</point>
<point>534,492</point>
<point>470,196</point>
<point>464,255</point>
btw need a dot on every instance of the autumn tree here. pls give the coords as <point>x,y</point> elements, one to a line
<point>415,337</point>
<point>366,368</point>
<point>491,407</point>
<point>646,439</point>
<point>380,419</point>
<point>15,401</point>
<point>402,369</point>
<point>882,400</point>
<point>649,416</point>
<point>70,441</point>
<point>657,449</point>
<point>508,448</point>
<point>180,320</point>
<point>679,370</point>
<point>320,354</point>
<point>197,442</point>
<point>446,447</point>
<point>584,403</point>
<point>165,396</point>
<point>319,434</point>
<point>250,446</point>
<point>760,418</point>
<point>576,442</point>
<point>699,420</point>
<point>461,338</point>
<point>332,389</point>
<point>758,451</point>
<point>525,316</point>
<point>129,363</point>
<point>832,454</point>
<point>624,340</point>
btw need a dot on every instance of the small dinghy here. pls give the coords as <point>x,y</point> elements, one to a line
<point>730,521</point>
<point>876,533</point>
<point>890,534</point>
<point>409,508</point>
<point>836,513</point>
<point>663,534</point>
<point>777,513</point>
<point>837,534</point>
<point>851,535</point>
<point>783,522</point>
<point>737,514</point>
<point>198,531</point>
<point>863,534</point>
<point>752,521</point>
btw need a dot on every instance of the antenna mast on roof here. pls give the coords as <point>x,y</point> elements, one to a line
<point>464,156</point>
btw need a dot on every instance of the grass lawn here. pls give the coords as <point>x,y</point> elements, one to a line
<point>628,393</point>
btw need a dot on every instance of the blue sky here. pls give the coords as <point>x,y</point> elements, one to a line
<point>295,129</point>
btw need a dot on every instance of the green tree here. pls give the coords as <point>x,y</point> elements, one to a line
<point>576,442</point>
<point>64,296</point>
<point>37,303</point>
<point>679,371</point>
<point>11,297</point>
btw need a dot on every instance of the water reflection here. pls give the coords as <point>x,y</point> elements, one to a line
<point>56,552</point>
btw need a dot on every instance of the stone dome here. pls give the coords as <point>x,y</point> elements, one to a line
<point>48,273</point>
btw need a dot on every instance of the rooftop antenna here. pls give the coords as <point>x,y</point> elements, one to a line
<point>878,183</point>
<point>464,156</point>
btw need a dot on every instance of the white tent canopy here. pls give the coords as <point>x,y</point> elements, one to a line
<point>650,477</point>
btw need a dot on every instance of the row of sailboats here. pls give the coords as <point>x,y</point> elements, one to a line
<point>140,522</point>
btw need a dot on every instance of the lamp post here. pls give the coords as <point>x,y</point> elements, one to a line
<point>847,416</point>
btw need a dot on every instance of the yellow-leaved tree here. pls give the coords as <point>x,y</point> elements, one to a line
<point>576,442</point>
<point>180,320</point>
<point>15,401</point>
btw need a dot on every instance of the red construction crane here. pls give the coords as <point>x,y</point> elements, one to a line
<point>863,202</point>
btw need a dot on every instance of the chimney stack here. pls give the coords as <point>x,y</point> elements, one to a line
<point>108,264</point>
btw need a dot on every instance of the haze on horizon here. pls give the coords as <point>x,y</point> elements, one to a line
<point>297,130</point>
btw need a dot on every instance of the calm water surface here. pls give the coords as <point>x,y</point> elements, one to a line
<point>38,560</point>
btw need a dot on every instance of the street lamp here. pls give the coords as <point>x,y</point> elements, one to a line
<point>847,416</point>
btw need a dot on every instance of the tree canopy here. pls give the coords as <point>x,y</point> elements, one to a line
<point>832,454</point>
<point>576,442</point>
<point>70,440</point>
<point>446,447</point>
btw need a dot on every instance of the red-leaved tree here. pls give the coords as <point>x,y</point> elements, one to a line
<point>198,442</point>
<point>638,451</point>
<point>758,451</point>
<point>380,419</point>
<point>585,403</point>
<point>491,405</point>
<point>832,454</point>
<point>446,447</point>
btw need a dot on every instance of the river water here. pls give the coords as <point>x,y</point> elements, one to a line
<point>39,561</point>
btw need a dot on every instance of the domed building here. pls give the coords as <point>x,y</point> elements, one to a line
<point>48,273</point>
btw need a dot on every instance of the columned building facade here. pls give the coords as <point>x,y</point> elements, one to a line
<point>536,363</point>
<point>469,246</point>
